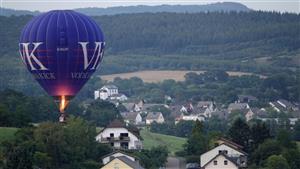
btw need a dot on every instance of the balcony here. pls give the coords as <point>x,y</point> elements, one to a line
<point>115,139</point>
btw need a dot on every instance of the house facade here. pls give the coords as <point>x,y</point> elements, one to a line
<point>109,92</point>
<point>154,117</point>
<point>122,162</point>
<point>228,150</point>
<point>282,105</point>
<point>221,161</point>
<point>119,136</point>
<point>132,118</point>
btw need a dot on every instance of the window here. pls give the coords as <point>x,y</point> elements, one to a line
<point>124,134</point>
<point>225,162</point>
<point>225,151</point>
<point>124,145</point>
<point>111,134</point>
<point>112,144</point>
<point>220,151</point>
<point>215,162</point>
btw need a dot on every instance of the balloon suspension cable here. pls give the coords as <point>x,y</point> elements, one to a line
<point>63,102</point>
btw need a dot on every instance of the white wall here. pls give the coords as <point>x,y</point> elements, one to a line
<point>103,95</point>
<point>138,119</point>
<point>206,157</point>
<point>117,131</point>
<point>220,164</point>
<point>96,94</point>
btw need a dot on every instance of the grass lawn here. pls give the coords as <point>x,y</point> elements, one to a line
<point>7,133</point>
<point>298,143</point>
<point>154,139</point>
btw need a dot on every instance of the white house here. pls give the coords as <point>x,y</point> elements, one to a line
<point>154,117</point>
<point>107,158</point>
<point>122,162</point>
<point>132,117</point>
<point>105,92</point>
<point>192,117</point>
<point>110,92</point>
<point>229,150</point>
<point>221,161</point>
<point>119,97</point>
<point>119,136</point>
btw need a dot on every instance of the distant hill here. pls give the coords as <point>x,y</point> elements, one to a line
<point>215,7</point>
<point>9,12</point>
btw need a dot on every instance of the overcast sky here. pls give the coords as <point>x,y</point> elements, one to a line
<point>46,5</point>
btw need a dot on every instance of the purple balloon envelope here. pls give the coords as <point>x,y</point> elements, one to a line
<point>62,49</point>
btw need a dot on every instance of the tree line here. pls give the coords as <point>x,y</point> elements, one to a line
<point>199,41</point>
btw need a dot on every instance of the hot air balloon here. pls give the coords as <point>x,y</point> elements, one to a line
<point>62,49</point>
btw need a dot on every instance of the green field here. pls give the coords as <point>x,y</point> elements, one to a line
<point>298,143</point>
<point>7,133</point>
<point>154,139</point>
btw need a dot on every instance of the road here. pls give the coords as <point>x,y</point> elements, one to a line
<point>175,163</point>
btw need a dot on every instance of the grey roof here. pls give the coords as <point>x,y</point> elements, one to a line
<point>148,106</point>
<point>129,115</point>
<point>133,164</point>
<point>128,106</point>
<point>237,106</point>
<point>116,151</point>
<point>199,110</point>
<point>116,124</point>
<point>204,103</point>
<point>153,115</point>
<point>286,103</point>
<point>222,114</point>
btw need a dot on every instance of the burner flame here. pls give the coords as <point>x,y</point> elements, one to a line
<point>63,104</point>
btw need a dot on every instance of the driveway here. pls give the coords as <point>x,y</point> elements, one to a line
<point>175,163</point>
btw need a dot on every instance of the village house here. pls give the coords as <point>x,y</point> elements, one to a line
<point>208,106</point>
<point>190,117</point>
<point>141,106</point>
<point>120,97</point>
<point>283,106</point>
<point>154,117</point>
<point>221,161</point>
<point>122,162</point>
<point>132,118</point>
<point>237,107</point>
<point>120,136</point>
<point>117,153</point>
<point>226,154</point>
<point>110,92</point>
<point>221,114</point>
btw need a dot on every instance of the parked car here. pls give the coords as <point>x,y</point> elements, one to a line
<point>192,166</point>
